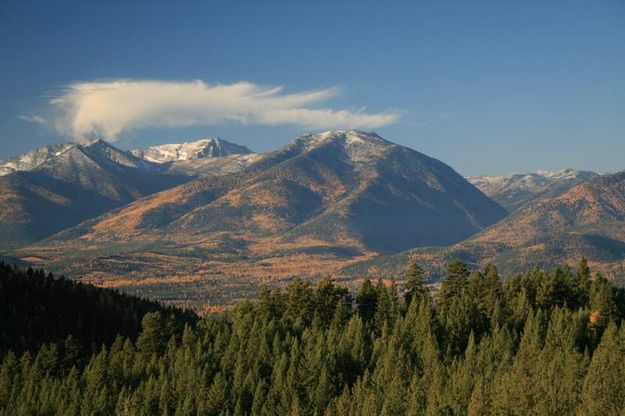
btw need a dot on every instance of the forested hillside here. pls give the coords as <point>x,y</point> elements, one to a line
<point>36,308</point>
<point>538,343</point>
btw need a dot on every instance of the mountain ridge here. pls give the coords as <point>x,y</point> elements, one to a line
<point>32,158</point>
<point>84,180</point>
<point>320,201</point>
<point>197,149</point>
<point>587,221</point>
<point>514,190</point>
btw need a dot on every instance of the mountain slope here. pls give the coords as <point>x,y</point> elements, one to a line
<point>81,181</point>
<point>513,191</point>
<point>33,158</point>
<point>586,221</point>
<point>37,308</point>
<point>206,157</point>
<point>330,186</point>
<point>199,149</point>
<point>598,201</point>
<point>319,201</point>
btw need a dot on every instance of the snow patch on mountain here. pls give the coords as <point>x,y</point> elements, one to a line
<point>213,166</point>
<point>533,181</point>
<point>359,146</point>
<point>33,158</point>
<point>514,190</point>
<point>199,149</point>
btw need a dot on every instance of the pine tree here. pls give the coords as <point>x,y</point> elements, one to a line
<point>602,303</point>
<point>72,352</point>
<point>453,284</point>
<point>387,307</point>
<point>323,392</point>
<point>415,287</point>
<point>367,301</point>
<point>259,398</point>
<point>583,282</point>
<point>604,386</point>
<point>328,298</point>
<point>216,396</point>
<point>8,373</point>
<point>152,339</point>
<point>519,390</point>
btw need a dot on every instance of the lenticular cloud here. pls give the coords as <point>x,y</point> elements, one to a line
<point>109,108</point>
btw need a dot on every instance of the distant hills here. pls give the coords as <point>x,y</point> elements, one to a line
<point>211,220</point>
<point>588,220</point>
<point>513,191</point>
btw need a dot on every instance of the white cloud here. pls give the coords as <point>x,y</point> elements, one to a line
<point>109,108</point>
<point>32,119</point>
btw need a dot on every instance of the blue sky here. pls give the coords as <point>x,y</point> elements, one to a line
<point>489,87</point>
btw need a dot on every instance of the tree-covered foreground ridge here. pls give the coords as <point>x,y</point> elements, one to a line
<point>540,343</point>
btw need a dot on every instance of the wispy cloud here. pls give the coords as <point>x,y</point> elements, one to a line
<point>32,119</point>
<point>110,108</point>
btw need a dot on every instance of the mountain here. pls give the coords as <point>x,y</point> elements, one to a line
<point>211,166</point>
<point>56,187</point>
<point>32,159</point>
<point>330,186</point>
<point>206,157</point>
<point>199,149</point>
<point>588,221</point>
<point>513,191</point>
<point>321,200</point>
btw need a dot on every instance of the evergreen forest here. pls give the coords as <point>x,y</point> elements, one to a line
<point>538,343</point>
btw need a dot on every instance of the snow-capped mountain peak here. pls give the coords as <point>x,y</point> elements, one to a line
<point>514,190</point>
<point>530,179</point>
<point>359,146</point>
<point>33,158</point>
<point>198,149</point>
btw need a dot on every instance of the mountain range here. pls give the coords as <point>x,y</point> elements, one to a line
<point>514,191</point>
<point>198,149</point>
<point>56,187</point>
<point>587,220</point>
<point>209,221</point>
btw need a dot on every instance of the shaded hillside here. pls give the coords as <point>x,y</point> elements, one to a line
<point>588,220</point>
<point>36,308</point>
<point>80,182</point>
<point>514,191</point>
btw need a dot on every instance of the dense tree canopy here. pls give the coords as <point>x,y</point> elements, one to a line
<point>537,343</point>
<point>36,308</point>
